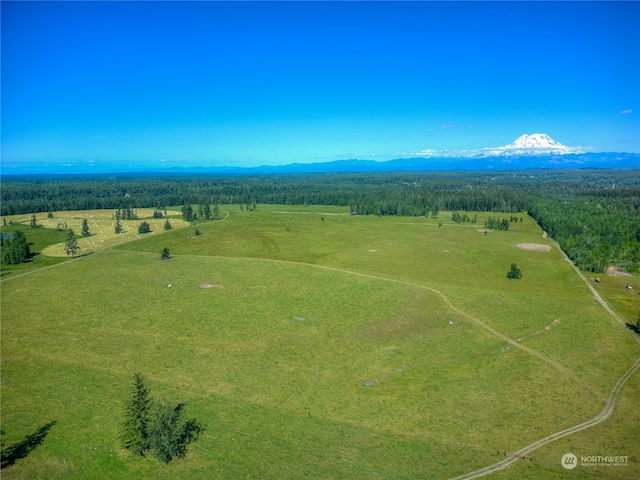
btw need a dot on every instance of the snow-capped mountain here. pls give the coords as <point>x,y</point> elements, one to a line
<point>536,141</point>
<point>536,144</point>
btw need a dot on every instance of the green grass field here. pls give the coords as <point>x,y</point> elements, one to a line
<point>315,344</point>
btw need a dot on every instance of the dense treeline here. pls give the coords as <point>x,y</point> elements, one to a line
<point>593,214</point>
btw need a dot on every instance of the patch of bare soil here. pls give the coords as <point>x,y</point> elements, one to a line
<point>534,247</point>
<point>208,285</point>
<point>618,272</point>
<point>484,230</point>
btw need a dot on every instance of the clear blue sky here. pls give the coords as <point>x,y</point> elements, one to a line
<point>134,84</point>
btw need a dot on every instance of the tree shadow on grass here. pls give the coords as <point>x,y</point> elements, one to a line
<point>19,450</point>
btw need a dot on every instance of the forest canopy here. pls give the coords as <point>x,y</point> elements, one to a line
<point>593,214</point>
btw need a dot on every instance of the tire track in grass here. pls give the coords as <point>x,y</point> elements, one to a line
<point>604,414</point>
<point>601,417</point>
<point>444,298</point>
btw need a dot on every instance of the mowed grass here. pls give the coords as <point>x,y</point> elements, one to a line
<point>101,228</point>
<point>300,371</point>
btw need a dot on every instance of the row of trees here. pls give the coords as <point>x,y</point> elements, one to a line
<point>204,212</point>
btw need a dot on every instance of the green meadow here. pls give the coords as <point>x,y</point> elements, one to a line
<point>315,344</point>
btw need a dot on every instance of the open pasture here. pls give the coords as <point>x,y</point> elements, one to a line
<point>315,346</point>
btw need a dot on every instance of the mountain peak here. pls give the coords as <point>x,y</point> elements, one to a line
<point>537,141</point>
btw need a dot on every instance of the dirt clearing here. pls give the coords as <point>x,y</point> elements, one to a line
<point>534,247</point>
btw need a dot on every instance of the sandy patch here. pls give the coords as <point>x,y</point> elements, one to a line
<point>534,247</point>
<point>208,285</point>
<point>618,272</point>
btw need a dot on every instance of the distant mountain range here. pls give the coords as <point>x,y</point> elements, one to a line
<point>526,152</point>
<point>509,161</point>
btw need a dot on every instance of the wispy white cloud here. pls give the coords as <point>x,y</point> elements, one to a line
<point>487,152</point>
<point>626,112</point>
<point>447,127</point>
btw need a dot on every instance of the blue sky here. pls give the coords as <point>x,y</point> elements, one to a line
<point>95,85</point>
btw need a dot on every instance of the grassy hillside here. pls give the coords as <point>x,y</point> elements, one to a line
<point>314,344</point>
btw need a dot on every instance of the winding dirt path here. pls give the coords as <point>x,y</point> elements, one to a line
<point>447,302</point>
<point>604,414</point>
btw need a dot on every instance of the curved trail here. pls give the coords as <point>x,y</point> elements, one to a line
<point>604,414</point>
<point>601,417</point>
<point>443,297</point>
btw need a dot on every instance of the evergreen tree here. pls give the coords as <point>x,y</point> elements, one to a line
<point>85,228</point>
<point>16,250</point>
<point>167,225</point>
<point>118,229</point>
<point>514,273</point>
<point>187,212</point>
<point>144,228</point>
<point>71,244</point>
<point>170,434</point>
<point>33,221</point>
<point>138,418</point>
<point>165,254</point>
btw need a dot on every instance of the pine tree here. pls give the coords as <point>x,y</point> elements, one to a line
<point>514,273</point>
<point>144,228</point>
<point>170,435</point>
<point>165,254</point>
<point>138,417</point>
<point>71,244</point>
<point>118,226</point>
<point>85,228</point>
<point>167,225</point>
<point>33,221</point>
<point>187,213</point>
